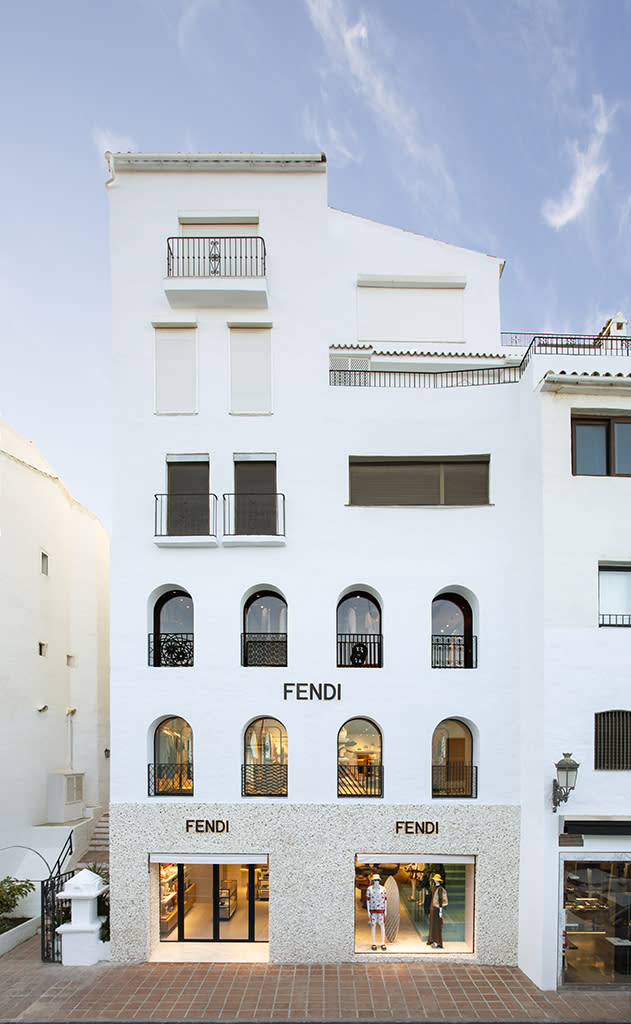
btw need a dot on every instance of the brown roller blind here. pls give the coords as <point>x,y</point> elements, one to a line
<point>612,741</point>
<point>421,481</point>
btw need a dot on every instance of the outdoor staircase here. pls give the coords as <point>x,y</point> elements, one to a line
<point>98,851</point>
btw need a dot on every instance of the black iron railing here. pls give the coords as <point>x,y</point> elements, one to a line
<point>359,650</point>
<point>216,257</point>
<point>263,649</point>
<point>263,780</point>
<point>186,515</point>
<point>171,650</point>
<point>360,780</point>
<point>454,651</point>
<point>53,911</point>
<point>455,780</point>
<point>170,779</point>
<point>539,344</point>
<point>607,619</point>
<point>254,515</point>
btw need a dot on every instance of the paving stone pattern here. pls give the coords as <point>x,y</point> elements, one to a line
<point>32,991</point>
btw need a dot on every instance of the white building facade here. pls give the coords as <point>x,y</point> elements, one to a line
<point>55,665</point>
<point>342,641</point>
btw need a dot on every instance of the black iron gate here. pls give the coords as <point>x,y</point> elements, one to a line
<point>54,911</point>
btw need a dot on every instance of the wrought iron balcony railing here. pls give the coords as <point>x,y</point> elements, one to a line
<point>263,780</point>
<point>454,651</point>
<point>216,257</point>
<point>360,780</point>
<point>170,779</point>
<point>263,649</point>
<point>254,515</point>
<point>186,515</point>
<point>608,619</point>
<point>359,650</point>
<point>172,650</point>
<point>455,780</point>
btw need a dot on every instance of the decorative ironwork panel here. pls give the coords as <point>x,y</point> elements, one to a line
<point>170,779</point>
<point>171,650</point>
<point>54,913</point>
<point>454,652</point>
<point>263,780</point>
<point>455,780</point>
<point>614,620</point>
<point>359,650</point>
<point>360,780</point>
<point>241,256</point>
<point>263,649</point>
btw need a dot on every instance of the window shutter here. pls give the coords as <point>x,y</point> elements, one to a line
<point>612,741</point>
<point>466,483</point>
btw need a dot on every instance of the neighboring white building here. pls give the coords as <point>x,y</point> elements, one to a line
<point>54,670</point>
<point>355,614</point>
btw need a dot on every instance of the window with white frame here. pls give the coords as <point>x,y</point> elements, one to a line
<point>614,595</point>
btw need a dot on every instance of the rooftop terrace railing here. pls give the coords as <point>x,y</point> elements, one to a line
<point>538,344</point>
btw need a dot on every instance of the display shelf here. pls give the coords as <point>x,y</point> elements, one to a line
<point>227,899</point>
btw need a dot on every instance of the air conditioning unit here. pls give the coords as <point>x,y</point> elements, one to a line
<point>65,796</point>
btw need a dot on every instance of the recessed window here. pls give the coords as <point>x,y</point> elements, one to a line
<point>601,446</point>
<point>43,567</point>
<point>426,480</point>
<point>264,637</point>
<point>42,650</point>
<point>614,596</point>
<point>172,642</point>
<point>612,741</point>
<point>71,661</point>
<point>171,773</point>
<point>264,769</point>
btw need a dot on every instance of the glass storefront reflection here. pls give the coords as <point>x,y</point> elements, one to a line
<point>597,931</point>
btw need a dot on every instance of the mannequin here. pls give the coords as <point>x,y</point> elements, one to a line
<point>376,904</point>
<point>439,900</point>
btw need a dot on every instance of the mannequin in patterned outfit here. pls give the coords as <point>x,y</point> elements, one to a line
<point>376,904</point>
<point>439,900</point>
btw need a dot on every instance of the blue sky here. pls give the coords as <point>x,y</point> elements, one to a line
<point>500,125</point>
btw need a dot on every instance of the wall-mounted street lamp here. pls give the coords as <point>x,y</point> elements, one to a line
<point>562,786</point>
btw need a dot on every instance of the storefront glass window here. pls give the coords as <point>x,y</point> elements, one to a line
<point>425,907</point>
<point>214,903</point>
<point>597,933</point>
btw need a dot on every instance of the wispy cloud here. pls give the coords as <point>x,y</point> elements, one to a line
<point>105,140</point>
<point>187,24</point>
<point>589,166</point>
<point>356,53</point>
<point>341,145</point>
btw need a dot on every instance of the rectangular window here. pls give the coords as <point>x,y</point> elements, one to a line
<point>250,371</point>
<point>601,446</point>
<point>597,905</point>
<point>188,499</point>
<point>612,741</point>
<point>71,661</point>
<point>255,496</point>
<point>42,650</point>
<point>614,596</point>
<point>175,371</point>
<point>411,480</point>
<point>43,567</point>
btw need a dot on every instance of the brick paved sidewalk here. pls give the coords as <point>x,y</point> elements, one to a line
<point>33,991</point>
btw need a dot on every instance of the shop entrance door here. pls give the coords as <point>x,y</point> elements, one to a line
<point>220,903</point>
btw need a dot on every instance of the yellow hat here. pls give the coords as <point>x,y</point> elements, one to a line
<point>436,878</point>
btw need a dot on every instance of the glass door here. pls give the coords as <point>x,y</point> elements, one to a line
<point>214,902</point>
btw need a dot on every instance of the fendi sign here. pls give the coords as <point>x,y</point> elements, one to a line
<point>203,825</point>
<point>312,691</point>
<point>415,828</point>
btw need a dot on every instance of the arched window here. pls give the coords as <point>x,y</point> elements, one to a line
<point>264,637</point>
<point>359,767</point>
<point>358,631</point>
<point>171,642</point>
<point>453,642</point>
<point>171,773</point>
<point>453,771</point>
<point>264,771</point>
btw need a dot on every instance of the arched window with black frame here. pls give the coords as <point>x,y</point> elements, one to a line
<point>171,643</point>
<point>453,771</point>
<point>453,642</point>
<point>264,637</point>
<point>359,639</point>
<point>264,769</point>
<point>359,765</point>
<point>171,773</point>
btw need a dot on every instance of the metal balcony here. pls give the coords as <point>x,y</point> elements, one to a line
<point>360,780</point>
<point>215,272</point>
<point>455,780</point>
<point>185,515</point>
<point>454,651</point>
<point>254,515</point>
<point>263,780</point>
<point>170,779</point>
<point>264,649</point>
<point>359,650</point>
<point>171,650</point>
